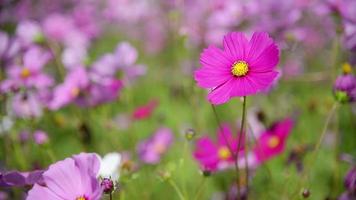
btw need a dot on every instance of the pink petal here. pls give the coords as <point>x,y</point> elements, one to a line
<point>215,58</point>
<point>41,193</point>
<point>236,45</point>
<point>221,94</point>
<point>258,43</point>
<point>262,80</point>
<point>266,61</point>
<point>64,179</point>
<point>209,78</point>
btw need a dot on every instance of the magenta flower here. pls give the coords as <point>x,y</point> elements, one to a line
<point>72,178</point>
<point>151,150</point>
<point>242,68</point>
<point>214,156</point>
<point>272,142</point>
<point>345,88</point>
<point>145,111</point>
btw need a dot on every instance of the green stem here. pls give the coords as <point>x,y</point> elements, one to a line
<point>229,147</point>
<point>200,189</point>
<point>242,127</point>
<point>314,155</point>
<point>176,188</point>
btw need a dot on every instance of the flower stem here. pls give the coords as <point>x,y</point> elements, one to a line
<point>242,127</point>
<point>228,145</point>
<point>314,155</point>
<point>176,188</point>
<point>200,189</point>
<point>110,195</point>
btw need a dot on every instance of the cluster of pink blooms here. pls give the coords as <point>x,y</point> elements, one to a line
<point>219,155</point>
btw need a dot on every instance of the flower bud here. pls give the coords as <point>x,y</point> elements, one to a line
<point>108,185</point>
<point>190,134</point>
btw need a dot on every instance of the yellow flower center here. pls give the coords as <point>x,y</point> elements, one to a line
<point>346,68</point>
<point>25,73</point>
<point>159,148</point>
<point>74,91</point>
<point>273,142</point>
<point>81,198</point>
<point>239,68</point>
<point>224,153</point>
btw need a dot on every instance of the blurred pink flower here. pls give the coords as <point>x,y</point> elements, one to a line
<point>40,137</point>
<point>9,47</point>
<point>242,68</point>
<point>74,84</point>
<point>27,105</point>
<point>29,73</point>
<point>217,155</point>
<point>28,32</point>
<point>145,111</point>
<point>272,142</point>
<point>151,150</point>
<point>72,178</point>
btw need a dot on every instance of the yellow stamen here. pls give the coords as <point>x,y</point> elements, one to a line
<point>239,68</point>
<point>25,73</point>
<point>224,153</point>
<point>81,198</point>
<point>159,148</point>
<point>346,68</point>
<point>273,142</point>
<point>75,91</point>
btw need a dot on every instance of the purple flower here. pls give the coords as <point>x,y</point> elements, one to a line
<point>40,137</point>
<point>151,150</point>
<point>29,74</point>
<point>29,32</point>
<point>27,105</point>
<point>9,47</point>
<point>345,88</point>
<point>70,179</point>
<point>350,180</point>
<point>74,84</point>
<point>19,179</point>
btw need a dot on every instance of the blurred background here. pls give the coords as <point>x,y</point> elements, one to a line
<point>109,76</point>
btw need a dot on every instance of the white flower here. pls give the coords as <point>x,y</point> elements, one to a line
<point>109,166</point>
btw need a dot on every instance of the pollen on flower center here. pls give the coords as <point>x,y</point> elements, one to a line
<point>25,73</point>
<point>74,91</point>
<point>273,142</point>
<point>224,153</point>
<point>239,68</point>
<point>81,198</point>
<point>159,148</point>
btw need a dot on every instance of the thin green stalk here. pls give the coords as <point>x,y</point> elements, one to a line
<point>176,188</point>
<point>200,189</point>
<point>229,147</point>
<point>314,155</point>
<point>242,127</point>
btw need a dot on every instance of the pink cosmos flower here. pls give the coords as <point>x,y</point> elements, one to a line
<point>73,178</point>
<point>242,68</point>
<point>29,73</point>
<point>27,105</point>
<point>272,142</point>
<point>40,137</point>
<point>151,150</point>
<point>214,156</point>
<point>145,111</point>
<point>76,81</point>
